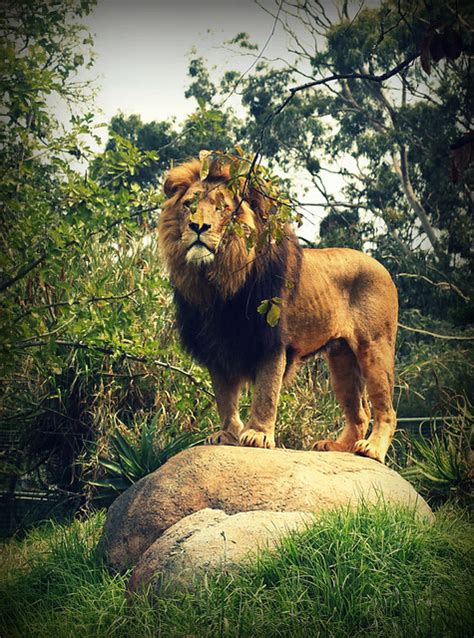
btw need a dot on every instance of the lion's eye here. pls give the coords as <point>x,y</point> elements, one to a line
<point>191,204</point>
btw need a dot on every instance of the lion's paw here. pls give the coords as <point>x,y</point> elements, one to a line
<point>327,445</point>
<point>221,437</point>
<point>365,448</point>
<point>255,438</point>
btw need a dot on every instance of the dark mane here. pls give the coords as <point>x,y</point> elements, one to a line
<point>230,335</point>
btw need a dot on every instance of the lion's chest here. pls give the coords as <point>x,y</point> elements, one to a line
<point>230,335</point>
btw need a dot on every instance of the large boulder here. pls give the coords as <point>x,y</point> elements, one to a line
<point>242,479</point>
<point>210,540</point>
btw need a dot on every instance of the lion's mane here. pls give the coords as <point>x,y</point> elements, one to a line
<point>217,307</point>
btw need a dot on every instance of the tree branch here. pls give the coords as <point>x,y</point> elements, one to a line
<point>80,345</point>
<point>442,285</point>
<point>23,272</point>
<point>74,302</point>
<point>435,334</point>
<point>357,76</point>
<point>401,169</point>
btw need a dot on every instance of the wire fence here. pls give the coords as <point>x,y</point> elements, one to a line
<point>22,503</point>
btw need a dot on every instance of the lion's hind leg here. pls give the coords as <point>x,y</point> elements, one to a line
<point>348,384</point>
<point>377,364</point>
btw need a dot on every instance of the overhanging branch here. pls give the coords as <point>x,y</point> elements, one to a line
<point>357,76</point>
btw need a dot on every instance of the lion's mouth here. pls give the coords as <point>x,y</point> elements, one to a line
<point>199,242</point>
<point>199,253</point>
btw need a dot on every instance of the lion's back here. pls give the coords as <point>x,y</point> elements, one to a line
<point>349,271</point>
<point>341,292</point>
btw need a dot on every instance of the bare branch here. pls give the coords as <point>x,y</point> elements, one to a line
<point>401,168</point>
<point>356,76</point>
<point>442,285</point>
<point>435,334</point>
<point>257,58</point>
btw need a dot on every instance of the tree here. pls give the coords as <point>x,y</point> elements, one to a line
<point>75,282</point>
<point>366,96</point>
<point>209,127</point>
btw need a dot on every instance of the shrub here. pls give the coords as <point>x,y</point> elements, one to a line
<point>441,466</point>
<point>136,454</point>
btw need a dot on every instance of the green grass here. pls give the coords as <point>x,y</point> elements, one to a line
<point>373,572</point>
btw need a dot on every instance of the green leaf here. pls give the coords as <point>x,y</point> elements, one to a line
<point>204,158</point>
<point>273,316</point>
<point>263,307</point>
<point>112,466</point>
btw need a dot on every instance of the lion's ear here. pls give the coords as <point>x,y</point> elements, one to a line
<point>181,177</point>
<point>171,186</point>
<point>258,202</point>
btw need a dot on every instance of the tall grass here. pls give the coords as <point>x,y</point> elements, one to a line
<point>373,572</point>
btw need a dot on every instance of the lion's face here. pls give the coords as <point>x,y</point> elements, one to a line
<point>206,212</point>
<point>204,231</point>
<point>205,215</point>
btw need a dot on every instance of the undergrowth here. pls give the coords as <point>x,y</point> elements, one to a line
<point>373,572</point>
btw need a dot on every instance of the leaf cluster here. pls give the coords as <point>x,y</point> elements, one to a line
<point>133,455</point>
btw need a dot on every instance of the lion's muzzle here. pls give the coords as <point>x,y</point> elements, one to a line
<point>198,251</point>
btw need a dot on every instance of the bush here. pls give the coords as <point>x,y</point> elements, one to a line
<point>441,467</point>
<point>136,454</point>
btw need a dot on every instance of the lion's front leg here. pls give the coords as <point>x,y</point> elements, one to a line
<point>227,397</point>
<point>260,430</point>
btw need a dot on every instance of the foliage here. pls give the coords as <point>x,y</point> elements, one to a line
<point>85,309</point>
<point>133,457</point>
<point>207,127</point>
<point>376,571</point>
<point>441,467</point>
<point>87,338</point>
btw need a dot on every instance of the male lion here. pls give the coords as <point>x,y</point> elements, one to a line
<point>336,300</point>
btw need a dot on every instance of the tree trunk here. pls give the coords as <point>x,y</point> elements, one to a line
<point>401,169</point>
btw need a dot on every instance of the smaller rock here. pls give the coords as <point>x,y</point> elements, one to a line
<point>210,540</point>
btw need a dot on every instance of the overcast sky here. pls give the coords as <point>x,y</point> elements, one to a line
<point>143,51</point>
<point>143,48</point>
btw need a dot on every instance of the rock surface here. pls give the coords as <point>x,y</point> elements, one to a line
<point>242,479</point>
<point>210,540</point>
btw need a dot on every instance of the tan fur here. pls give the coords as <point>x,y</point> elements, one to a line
<point>340,299</point>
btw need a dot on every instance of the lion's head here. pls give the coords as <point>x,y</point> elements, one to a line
<point>208,233</point>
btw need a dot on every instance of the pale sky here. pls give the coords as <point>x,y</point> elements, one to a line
<point>143,51</point>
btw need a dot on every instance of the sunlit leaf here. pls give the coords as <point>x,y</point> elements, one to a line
<point>263,307</point>
<point>273,315</point>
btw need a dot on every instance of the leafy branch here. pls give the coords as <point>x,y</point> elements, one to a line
<point>75,302</point>
<point>45,254</point>
<point>80,345</point>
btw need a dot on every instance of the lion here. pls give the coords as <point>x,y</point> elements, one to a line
<point>336,301</point>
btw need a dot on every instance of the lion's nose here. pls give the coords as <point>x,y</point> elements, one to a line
<point>199,228</point>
